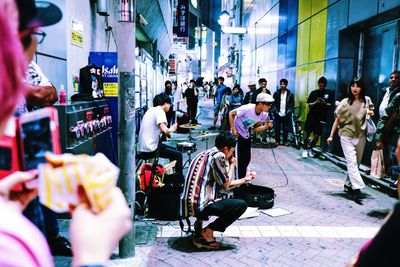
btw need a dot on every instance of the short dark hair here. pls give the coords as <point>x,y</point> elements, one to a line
<point>161,99</point>
<point>221,78</point>
<point>262,80</point>
<point>225,139</point>
<point>167,82</point>
<point>283,81</point>
<point>192,81</point>
<point>323,80</point>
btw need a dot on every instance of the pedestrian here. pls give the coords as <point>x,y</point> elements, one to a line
<point>154,123</point>
<point>210,172</point>
<point>389,145</point>
<point>192,99</point>
<point>262,82</point>
<point>283,109</point>
<point>168,91</point>
<point>319,102</point>
<point>244,118</point>
<point>220,91</point>
<point>350,116</point>
<point>40,93</point>
<point>235,100</point>
<point>224,108</point>
<point>250,96</point>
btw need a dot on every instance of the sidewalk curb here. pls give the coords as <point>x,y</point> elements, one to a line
<point>339,161</point>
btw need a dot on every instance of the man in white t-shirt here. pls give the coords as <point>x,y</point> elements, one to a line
<point>154,123</point>
<point>246,117</point>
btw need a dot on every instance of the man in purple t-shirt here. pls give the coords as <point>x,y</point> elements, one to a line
<point>246,117</point>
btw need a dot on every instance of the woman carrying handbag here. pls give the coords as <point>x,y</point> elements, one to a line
<point>351,114</point>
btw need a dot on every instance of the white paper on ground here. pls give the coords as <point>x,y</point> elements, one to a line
<point>276,212</point>
<point>249,213</point>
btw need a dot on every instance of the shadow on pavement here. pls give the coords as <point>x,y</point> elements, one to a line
<point>348,196</point>
<point>184,244</point>
<point>380,214</point>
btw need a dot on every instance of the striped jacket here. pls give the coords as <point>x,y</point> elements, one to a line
<point>206,176</point>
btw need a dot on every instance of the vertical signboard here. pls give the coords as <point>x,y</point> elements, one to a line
<point>108,61</point>
<point>182,18</point>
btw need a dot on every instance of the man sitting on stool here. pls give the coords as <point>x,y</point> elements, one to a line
<point>154,122</point>
<point>209,172</point>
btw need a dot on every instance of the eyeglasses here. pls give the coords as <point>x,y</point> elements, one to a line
<point>40,35</point>
<point>26,36</point>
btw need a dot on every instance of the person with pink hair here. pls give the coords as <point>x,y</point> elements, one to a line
<point>93,236</point>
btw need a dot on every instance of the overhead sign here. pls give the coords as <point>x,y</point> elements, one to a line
<point>182,16</point>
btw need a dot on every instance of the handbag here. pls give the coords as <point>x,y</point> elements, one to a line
<point>255,195</point>
<point>371,129</point>
<point>377,164</point>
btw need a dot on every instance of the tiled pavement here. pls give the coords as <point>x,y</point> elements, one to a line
<point>325,228</point>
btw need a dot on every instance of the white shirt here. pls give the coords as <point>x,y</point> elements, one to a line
<point>282,111</point>
<point>150,130</point>
<point>35,76</point>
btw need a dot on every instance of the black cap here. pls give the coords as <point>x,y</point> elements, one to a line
<point>37,13</point>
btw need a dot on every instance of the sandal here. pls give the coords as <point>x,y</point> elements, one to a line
<point>201,243</point>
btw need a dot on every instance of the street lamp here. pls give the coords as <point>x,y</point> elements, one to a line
<point>224,18</point>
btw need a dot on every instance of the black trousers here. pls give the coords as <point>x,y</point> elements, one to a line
<point>166,152</point>
<point>227,210</point>
<point>192,110</point>
<point>243,155</point>
<point>281,123</point>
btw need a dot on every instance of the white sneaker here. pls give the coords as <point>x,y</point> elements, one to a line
<point>311,154</point>
<point>304,154</point>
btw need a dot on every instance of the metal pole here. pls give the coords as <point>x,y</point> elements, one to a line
<point>240,13</point>
<point>126,132</point>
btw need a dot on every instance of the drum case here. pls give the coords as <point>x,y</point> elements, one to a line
<point>255,195</point>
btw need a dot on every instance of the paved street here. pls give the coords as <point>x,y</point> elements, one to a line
<point>324,227</point>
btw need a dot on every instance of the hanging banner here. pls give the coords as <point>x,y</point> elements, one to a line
<point>181,26</point>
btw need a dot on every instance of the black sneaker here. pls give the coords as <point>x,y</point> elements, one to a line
<point>212,128</point>
<point>60,246</point>
<point>348,189</point>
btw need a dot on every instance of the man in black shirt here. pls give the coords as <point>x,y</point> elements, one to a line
<point>250,96</point>
<point>191,95</point>
<point>319,101</point>
<point>262,82</point>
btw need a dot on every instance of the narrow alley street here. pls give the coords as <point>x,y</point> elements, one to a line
<point>324,227</point>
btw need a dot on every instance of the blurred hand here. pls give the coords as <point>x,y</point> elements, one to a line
<point>18,198</point>
<point>174,127</point>
<point>232,160</point>
<point>378,144</point>
<point>270,124</point>
<point>235,133</point>
<point>253,173</point>
<point>94,236</point>
<point>248,178</point>
<point>370,112</point>
<point>329,140</point>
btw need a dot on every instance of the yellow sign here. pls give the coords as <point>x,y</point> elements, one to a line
<point>77,38</point>
<point>110,89</point>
